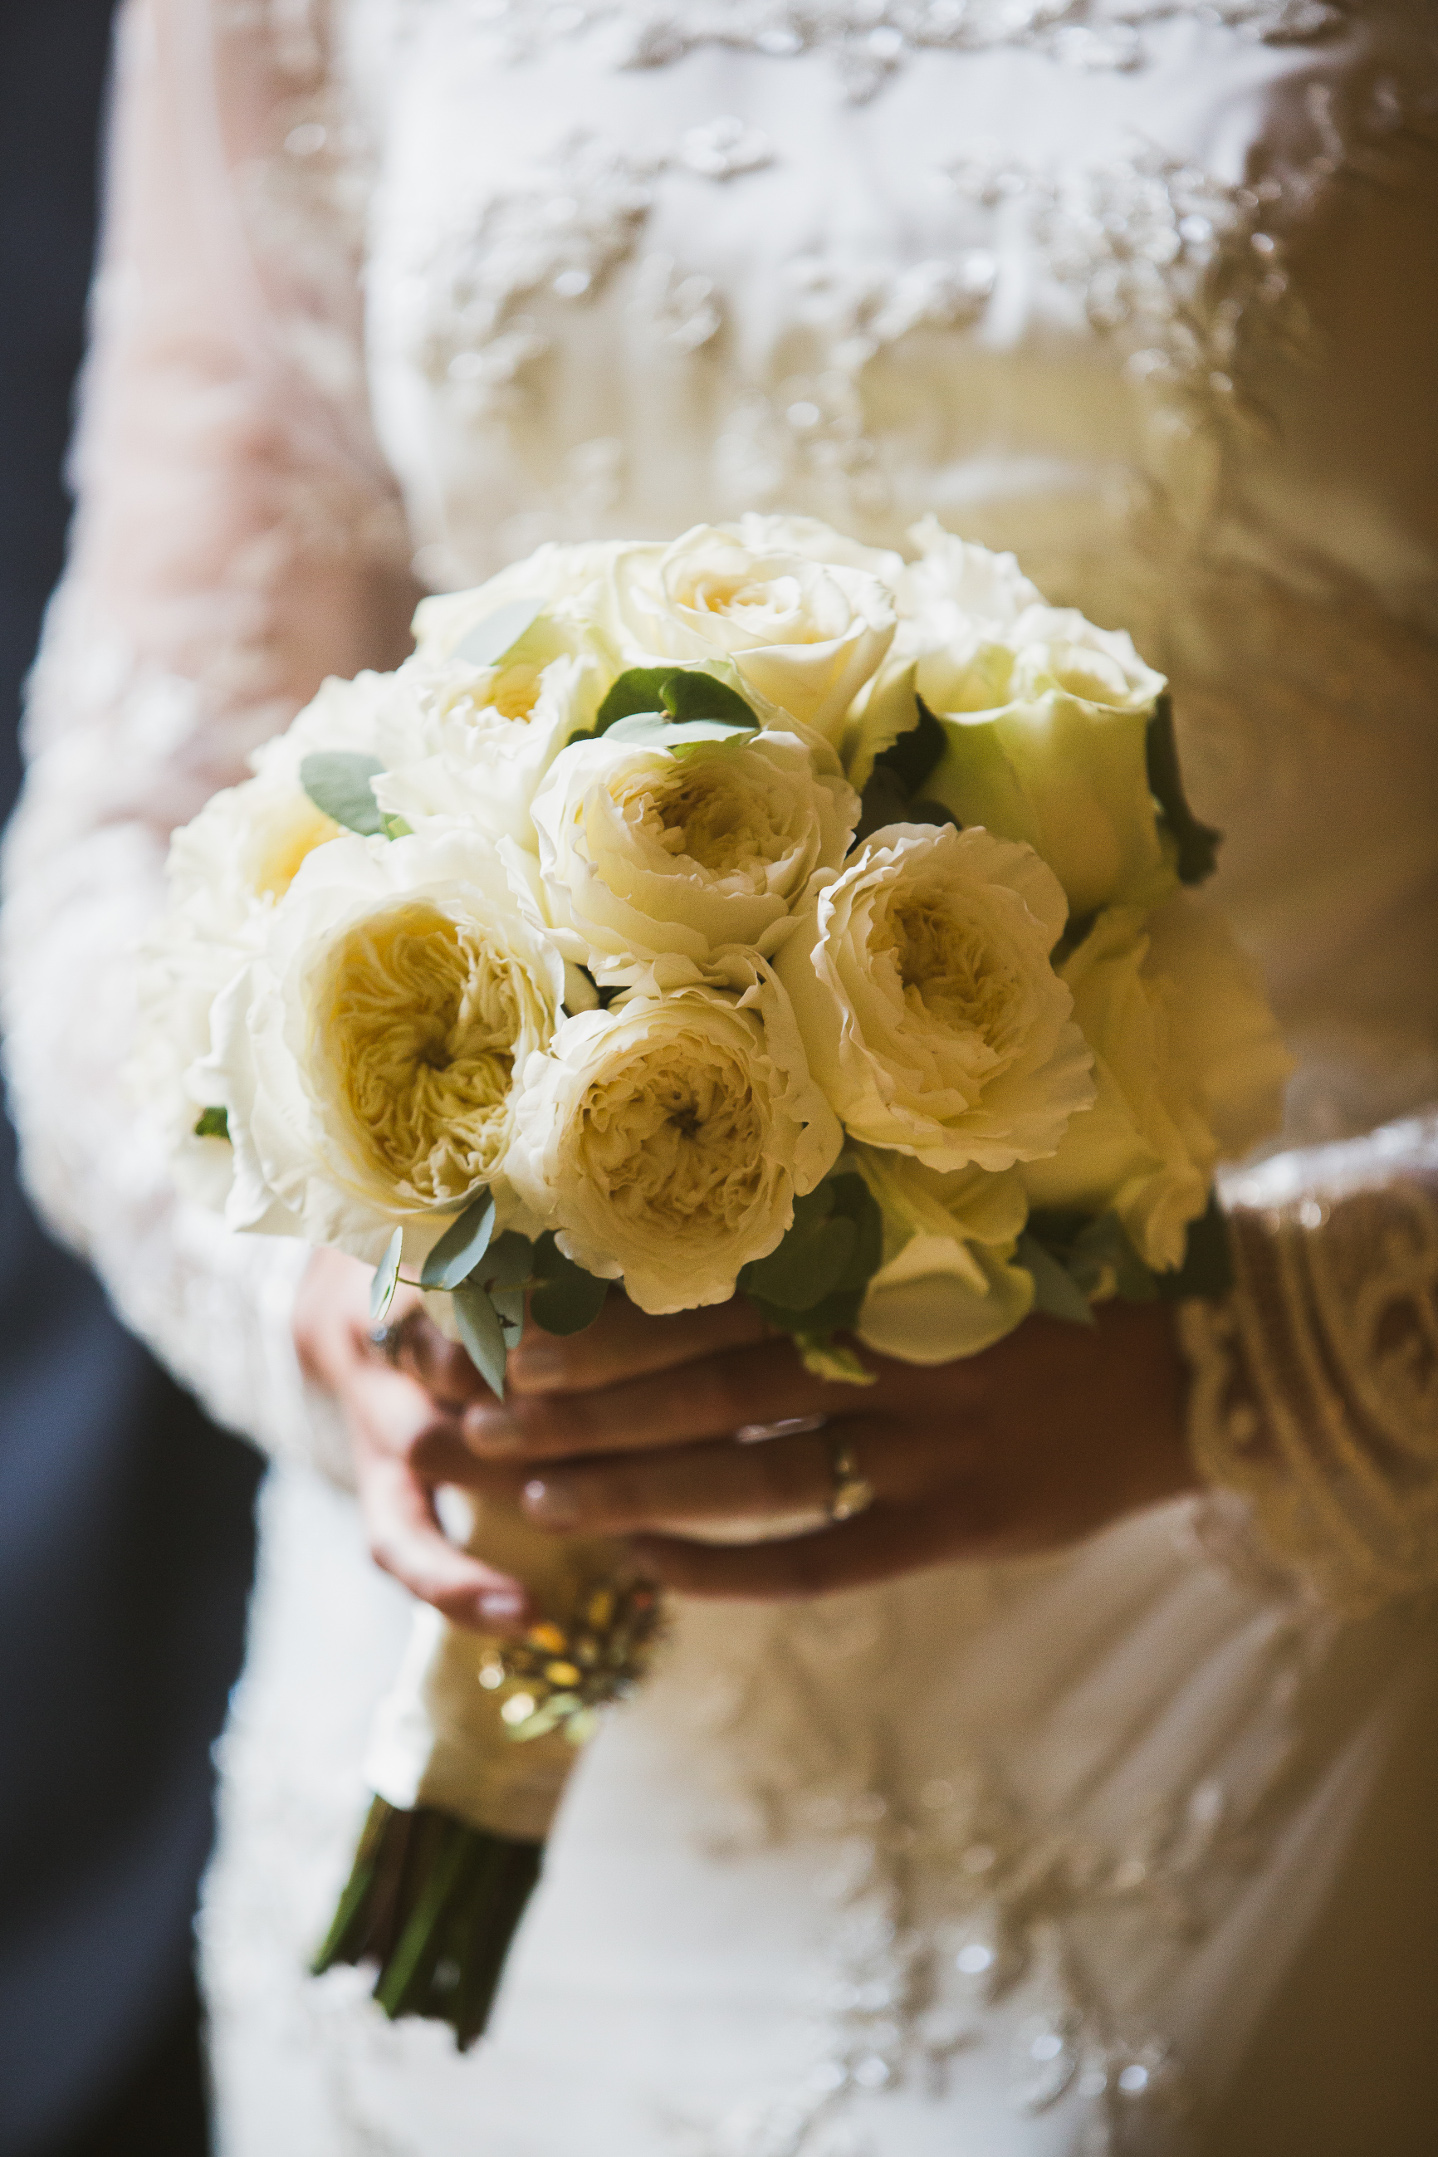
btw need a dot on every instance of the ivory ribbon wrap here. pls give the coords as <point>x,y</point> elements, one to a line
<point>438,1738</point>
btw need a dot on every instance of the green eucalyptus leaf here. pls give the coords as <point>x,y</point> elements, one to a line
<point>1197,843</point>
<point>826,1358</point>
<point>490,640</point>
<point>917,754</point>
<point>213,1123</point>
<point>884,801</point>
<point>685,695</point>
<point>1096,1252</point>
<point>338,783</point>
<point>509,1261</point>
<point>850,1214</point>
<point>638,689</point>
<point>807,1266</point>
<point>1055,1290</point>
<point>386,1280</point>
<point>566,1299</point>
<point>646,731</point>
<point>481,1333</point>
<point>509,1302</point>
<point>461,1247</point>
<point>691,694</point>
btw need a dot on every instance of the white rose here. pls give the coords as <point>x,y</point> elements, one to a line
<point>1047,722</point>
<point>947,1286</point>
<point>227,871</point>
<point>956,599</point>
<point>956,588</point>
<point>1190,1068</point>
<point>484,737</point>
<point>367,1057</point>
<point>804,634</point>
<point>569,581</point>
<point>932,1018</point>
<point>766,534</point>
<point>665,1139</point>
<point>646,852</point>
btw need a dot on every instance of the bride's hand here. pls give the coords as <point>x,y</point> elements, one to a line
<point>629,1429</point>
<point>405,1439</point>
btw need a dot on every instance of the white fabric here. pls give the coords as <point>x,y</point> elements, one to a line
<point>1009,1859</point>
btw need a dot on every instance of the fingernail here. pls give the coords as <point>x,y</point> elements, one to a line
<point>552,1503</point>
<point>501,1608</point>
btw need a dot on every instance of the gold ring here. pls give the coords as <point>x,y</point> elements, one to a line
<point>850,1491</point>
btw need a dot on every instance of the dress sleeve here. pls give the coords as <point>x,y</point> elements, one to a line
<point>1315,1388</point>
<point>236,539</point>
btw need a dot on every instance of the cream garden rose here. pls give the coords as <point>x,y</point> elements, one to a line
<point>367,1058</point>
<point>932,1018</point>
<point>484,737</point>
<point>803,633</point>
<point>647,853</point>
<point>1190,1069</point>
<point>667,1138</point>
<point>226,872</point>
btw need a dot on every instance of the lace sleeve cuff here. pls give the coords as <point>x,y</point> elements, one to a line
<point>1315,1388</point>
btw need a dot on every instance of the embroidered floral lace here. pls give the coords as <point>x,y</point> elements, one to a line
<point>1126,284</point>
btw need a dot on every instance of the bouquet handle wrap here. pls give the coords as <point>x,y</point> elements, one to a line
<point>469,1755</point>
<point>439,1737</point>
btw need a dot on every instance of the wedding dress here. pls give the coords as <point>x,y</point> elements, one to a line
<point>1020,1860</point>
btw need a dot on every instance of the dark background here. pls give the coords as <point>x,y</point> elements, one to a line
<point>125,1519</point>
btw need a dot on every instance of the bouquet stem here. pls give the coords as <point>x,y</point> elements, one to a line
<point>436,1904</point>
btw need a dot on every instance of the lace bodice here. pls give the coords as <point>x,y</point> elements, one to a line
<point>394,289</point>
<point>1127,287</point>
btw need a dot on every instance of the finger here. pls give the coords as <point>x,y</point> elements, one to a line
<point>407,1541</point>
<point>625,1342</point>
<point>708,1399</point>
<point>878,1545</point>
<point>783,1479</point>
<point>684,1485</point>
<point>418,1348</point>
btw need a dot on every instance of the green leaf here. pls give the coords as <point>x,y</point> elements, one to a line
<point>898,774</point>
<point>1055,1290</point>
<point>461,1247</point>
<point>917,754</point>
<point>490,640</point>
<point>1197,843</point>
<point>509,1261</point>
<point>386,1279</point>
<point>842,1207</point>
<point>647,731</point>
<point>807,1266</point>
<point>824,1358</point>
<point>509,1302</point>
<point>567,1298</point>
<point>689,694</point>
<point>481,1333</point>
<point>638,689</point>
<point>1207,1268</point>
<point>338,783</point>
<point>1096,1252</point>
<point>686,694</point>
<point>213,1123</point>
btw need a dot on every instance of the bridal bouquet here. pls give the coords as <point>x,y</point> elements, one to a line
<point>756,914</point>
